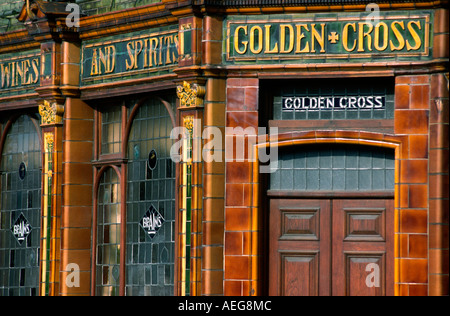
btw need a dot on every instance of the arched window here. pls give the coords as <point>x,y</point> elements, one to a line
<point>20,205</point>
<point>108,235</point>
<point>150,259</point>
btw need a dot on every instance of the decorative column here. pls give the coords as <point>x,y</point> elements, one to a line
<point>190,189</point>
<point>51,123</point>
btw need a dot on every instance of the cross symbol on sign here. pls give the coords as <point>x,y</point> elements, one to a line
<point>333,38</point>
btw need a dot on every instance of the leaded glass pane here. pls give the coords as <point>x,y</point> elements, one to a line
<point>111,130</point>
<point>334,168</point>
<point>150,261</point>
<point>20,204</point>
<point>108,235</point>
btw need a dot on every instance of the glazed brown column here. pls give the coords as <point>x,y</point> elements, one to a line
<point>241,267</point>
<point>214,171</point>
<point>439,164</point>
<point>78,179</point>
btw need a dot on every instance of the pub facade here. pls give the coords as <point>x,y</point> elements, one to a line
<point>224,148</point>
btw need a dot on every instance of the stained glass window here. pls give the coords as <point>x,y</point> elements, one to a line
<point>20,206</point>
<point>334,168</point>
<point>150,258</point>
<point>108,235</point>
<point>111,130</point>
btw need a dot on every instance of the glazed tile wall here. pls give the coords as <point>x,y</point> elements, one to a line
<point>242,111</point>
<point>412,121</point>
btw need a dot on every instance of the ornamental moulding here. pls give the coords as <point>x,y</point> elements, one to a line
<point>51,114</point>
<point>191,95</point>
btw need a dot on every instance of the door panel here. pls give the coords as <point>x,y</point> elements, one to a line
<point>363,232</point>
<point>331,247</point>
<point>299,247</point>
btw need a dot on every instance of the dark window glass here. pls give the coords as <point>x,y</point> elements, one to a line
<point>150,258</point>
<point>108,235</point>
<point>334,99</point>
<point>111,130</point>
<point>20,196</point>
<point>334,168</point>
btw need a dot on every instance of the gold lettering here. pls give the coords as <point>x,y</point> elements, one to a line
<point>160,50</point>
<point>130,49</point>
<point>320,38</point>
<point>19,73</point>
<point>415,36</point>
<point>152,51</point>
<point>5,75</point>
<point>290,48</point>
<point>252,39</point>
<point>363,34</point>
<point>268,50</point>
<point>94,63</point>
<point>345,37</point>
<point>169,40</point>
<point>26,78</point>
<point>175,51</point>
<point>376,40</point>
<point>398,35</point>
<point>35,66</point>
<point>300,36</point>
<point>145,53</point>
<point>236,40</point>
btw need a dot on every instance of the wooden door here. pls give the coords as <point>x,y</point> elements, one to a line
<point>300,247</point>
<point>363,248</point>
<point>331,247</point>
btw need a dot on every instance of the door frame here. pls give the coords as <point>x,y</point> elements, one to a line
<point>258,266</point>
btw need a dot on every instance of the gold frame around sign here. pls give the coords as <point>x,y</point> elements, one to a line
<point>426,51</point>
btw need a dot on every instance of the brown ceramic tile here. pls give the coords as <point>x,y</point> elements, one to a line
<point>74,216</point>
<point>439,161</point>
<point>418,146</point>
<point>81,257</point>
<point>237,267</point>
<point>439,236</point>
<point>234,195</point>
<point>404,242</point>
<point>213,258</point>
<point>439,134</point>
<point>411,122</point>
<point>243,120</point>
<point>77,109</point>
<point>440,46</point>
<point>402,96</point>
<point>249,82</point>
<point>214,185</point>
<point>418,196</point>
<point>439,86</point>
<point>77,195</point>
<point>83,290</point>
<point>418,290</point>
<point>439,211</point>
<point>77,173</point>
<point>251,99</point>
<point>439,111</point>
<point>213,209</point>
<point>441,21</point>
<point>76,238</point>
<point>78,151</point>
<point>212,282</point>
<point>439,186</point>
<point>233,288</point>
<point>233,243</point>
<point>413,221</point>
<point>414,171</point>
<point>213,233</point>
<point>235,99</point>
<point>418,246</point>
<point>237,219</point>
<point>420,97</point>
<point>413,270</point>
<point>438,262</point>
<point>402,80</point>
<point>439,285</point>
<point>239,172</point>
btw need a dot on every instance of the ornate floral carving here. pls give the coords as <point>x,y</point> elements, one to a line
<point>50,113</point>
<point>190,96</point>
